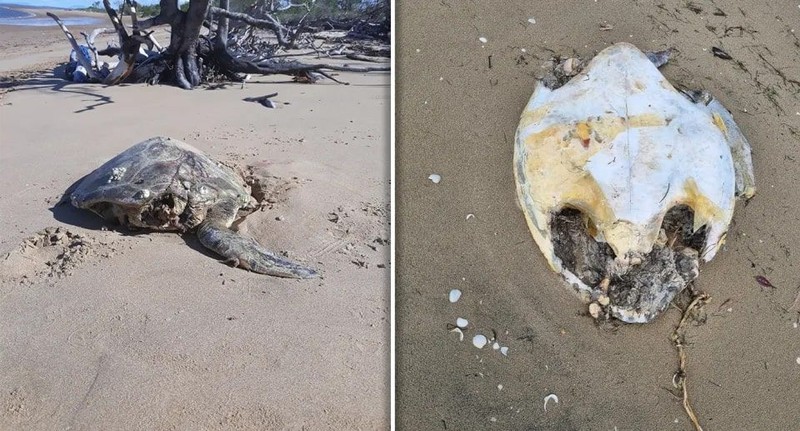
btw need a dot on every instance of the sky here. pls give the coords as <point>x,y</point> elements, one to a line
<point>65,3</point>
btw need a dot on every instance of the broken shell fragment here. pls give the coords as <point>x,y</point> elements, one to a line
<point>455,294</point>
<point>479,341</point>
<point>504,350</point>
<point>606,160</point>
<point>460,333</point>
<point>551,397</point>
<point>462,323</point>
<point>435,178</point>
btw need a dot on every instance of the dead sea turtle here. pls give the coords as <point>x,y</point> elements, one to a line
<point>626,182</point>
<point>165,184</point>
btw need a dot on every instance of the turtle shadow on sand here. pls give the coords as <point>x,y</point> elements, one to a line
<point>163,184</point>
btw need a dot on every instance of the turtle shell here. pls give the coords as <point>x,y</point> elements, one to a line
<point>621,147</point>
<point>161,183</point>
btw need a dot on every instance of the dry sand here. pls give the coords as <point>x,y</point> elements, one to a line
<point>457,116</point>
<point>105,329</point>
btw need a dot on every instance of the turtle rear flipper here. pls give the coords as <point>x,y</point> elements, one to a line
<point>243,252</point>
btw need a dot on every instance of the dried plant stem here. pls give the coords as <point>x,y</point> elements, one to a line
<point>680,379</point>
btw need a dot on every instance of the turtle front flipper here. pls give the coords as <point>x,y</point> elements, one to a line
<point>243,252</point>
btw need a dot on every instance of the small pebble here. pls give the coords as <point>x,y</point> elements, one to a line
<point>461,322</point>
<point>496,346</point>
<point>595,309</point>
<point>499,387</point>
<point>483,39</point>
<point>479,341</point>
<point>435,178</point>
<point>798,360</point>
<point>531,20</point>
<point>455,295</point>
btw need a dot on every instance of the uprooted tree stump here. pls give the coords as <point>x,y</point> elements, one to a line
<point>191,58</point>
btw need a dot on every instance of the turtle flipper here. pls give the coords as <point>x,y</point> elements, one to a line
<point>247,253</point>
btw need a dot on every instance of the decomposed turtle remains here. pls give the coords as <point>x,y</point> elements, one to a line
<point>626,182</point>
<point>165,184</point>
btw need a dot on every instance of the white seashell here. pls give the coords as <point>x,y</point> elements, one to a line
<point>500,387</point>
<point>455,295</point>
<point>470,215</point>
<point>483,39</point>
<point>531,20</point>
<point>617,149</point>
<point>496,346</point>
<point>462,323</point>
<point>435,178</point>
<point>551,397</point>
<point>479,341</point>
<point>504,350</point>
<point>798,360</point>
<point>460,333</point>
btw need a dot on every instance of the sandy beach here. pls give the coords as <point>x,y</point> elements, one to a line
<point>106,329</point>
<point>459,101</point>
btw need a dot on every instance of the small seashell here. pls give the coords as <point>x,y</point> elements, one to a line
<point>531,20</point>
<point>435,178</point>
<point>496,346</point>
<point>483,39</point>
<point>455,294</point>
<point>551,397</point>
<point>460,333</point>
<point>603,300</point>
<point>595,309</point>
<point>479,341</point>
<point>470,215</point>
<point>798,360</point>
<point>504,350</point>
<point>500,387</point>
<point>461,322</point>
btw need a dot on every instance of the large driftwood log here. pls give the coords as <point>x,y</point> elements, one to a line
<point>190,56</point>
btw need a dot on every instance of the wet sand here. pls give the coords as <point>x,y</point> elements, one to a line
<point>104,328</point>
<point>459,102</point>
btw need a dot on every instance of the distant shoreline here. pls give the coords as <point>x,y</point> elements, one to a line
<point>36,18</point>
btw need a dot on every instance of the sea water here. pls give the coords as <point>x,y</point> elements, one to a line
<point>10,16</point>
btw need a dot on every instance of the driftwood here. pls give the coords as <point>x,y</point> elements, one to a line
<point>190,58</point>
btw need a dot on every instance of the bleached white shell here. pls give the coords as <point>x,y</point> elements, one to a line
<point>454,296</point>
<point>462,322</point>
<point>479,341</point>
<point>620,144</point>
